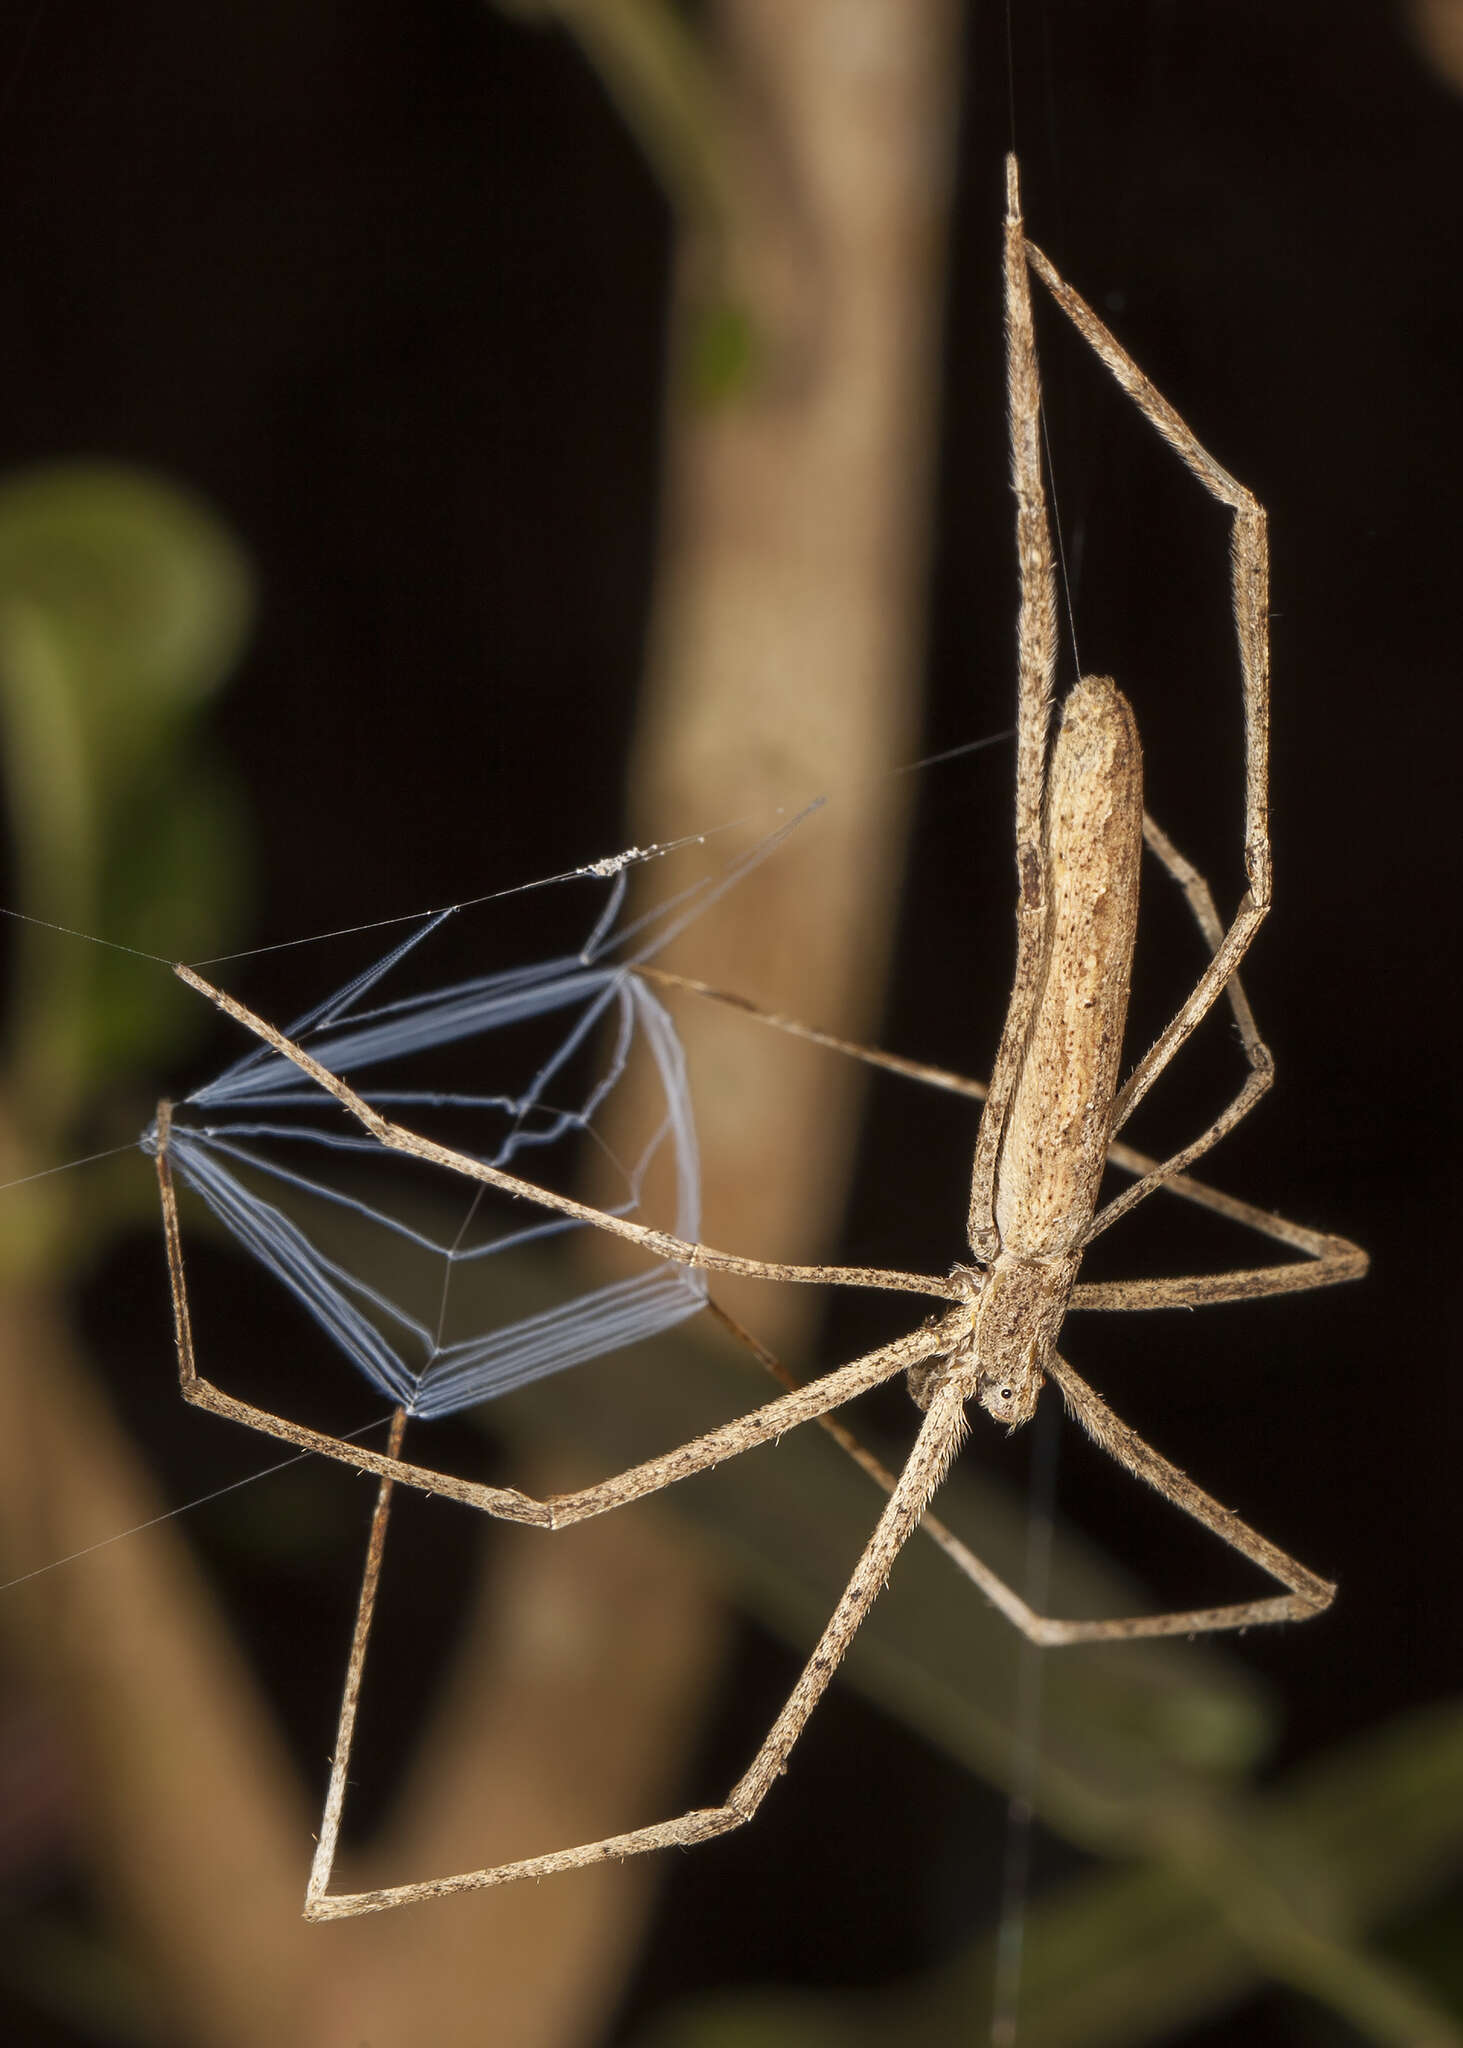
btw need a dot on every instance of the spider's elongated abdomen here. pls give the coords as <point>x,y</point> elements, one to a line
<point>1056,1136</point>
<point>1054,1142</point>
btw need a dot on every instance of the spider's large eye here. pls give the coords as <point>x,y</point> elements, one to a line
<point>1005,1393</point>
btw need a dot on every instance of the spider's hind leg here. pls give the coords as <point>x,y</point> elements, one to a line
<point>1306,1593</point>
<point>1228,948</point>
<point>928,1462</point>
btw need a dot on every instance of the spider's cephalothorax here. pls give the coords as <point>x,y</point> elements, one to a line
<point>1017,1322</point>
<point>1016,1311</point>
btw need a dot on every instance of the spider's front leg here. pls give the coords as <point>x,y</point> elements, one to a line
<point>661,1244</point>
<point>936,1445</point>
<point>1250,577</point>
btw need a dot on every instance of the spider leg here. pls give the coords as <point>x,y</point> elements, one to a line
<point>396,1138</point>
<point>939,1439</point>
<point>1036,655</point>
<point>1336,1258</point>
<point>328,1838</point>
<point>1257,1053</point>
<point>1307,1593</point>
<point>1049,1631</point>
<point>743,1433</point>
<point>997,1591</point>
<point>1250,580</point>
<point>763,1425</point>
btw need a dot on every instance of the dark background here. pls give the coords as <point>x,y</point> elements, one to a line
<point>387,285</point>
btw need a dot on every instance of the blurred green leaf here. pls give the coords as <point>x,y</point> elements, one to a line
<point>73,1975</point>
<point>722,353</point>
<point>124,604</point>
